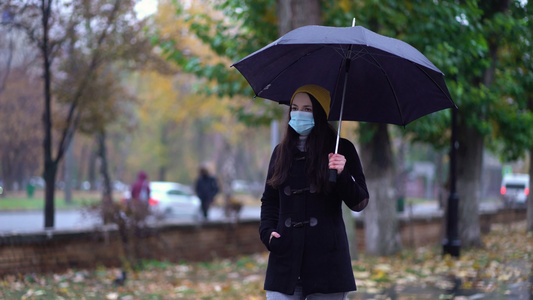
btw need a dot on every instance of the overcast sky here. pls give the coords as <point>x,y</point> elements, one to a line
<point>145,8</point>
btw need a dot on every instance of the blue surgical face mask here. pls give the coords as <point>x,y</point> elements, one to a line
<point>302,122</point>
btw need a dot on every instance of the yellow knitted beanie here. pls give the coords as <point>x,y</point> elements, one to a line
<point>320,93</point>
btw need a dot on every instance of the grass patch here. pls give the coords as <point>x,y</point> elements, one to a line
<point>20,200</point>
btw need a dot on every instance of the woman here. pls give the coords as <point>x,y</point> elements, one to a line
<point>301,214</point>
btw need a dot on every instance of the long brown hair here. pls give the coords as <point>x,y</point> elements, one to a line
<point>319,144</point>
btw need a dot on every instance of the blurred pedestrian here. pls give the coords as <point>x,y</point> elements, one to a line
<point>301,214</point>
<point>30,189</point>
<point>206,188</point>
<point>140,196</point>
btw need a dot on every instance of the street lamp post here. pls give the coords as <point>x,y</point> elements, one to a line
<point>452,244</point>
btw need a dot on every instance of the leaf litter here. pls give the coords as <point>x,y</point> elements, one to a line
<point>502,264</point>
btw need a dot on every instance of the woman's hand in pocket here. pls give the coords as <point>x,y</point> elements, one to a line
<point>275,235</point>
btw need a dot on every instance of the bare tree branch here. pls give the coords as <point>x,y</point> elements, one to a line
<point>71,125</point>
<point>8,65</point>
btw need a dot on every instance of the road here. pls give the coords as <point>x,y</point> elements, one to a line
<point>28,221</point>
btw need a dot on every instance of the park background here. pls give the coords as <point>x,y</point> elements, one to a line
<point>90,94</point>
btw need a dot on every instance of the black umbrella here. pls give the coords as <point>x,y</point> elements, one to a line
<point>371,78</point>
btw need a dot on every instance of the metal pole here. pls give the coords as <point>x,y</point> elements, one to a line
<point>342,109</point>
<point>452,244</point>
<point>333,172</point>
<point>347,69</point>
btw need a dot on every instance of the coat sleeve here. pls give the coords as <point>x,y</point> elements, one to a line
<point>269,207</point>
<point>351,181</point>
<point>214,187</point>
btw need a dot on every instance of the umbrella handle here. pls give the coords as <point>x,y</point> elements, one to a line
<point>333,172</point>
<point>332,175</point>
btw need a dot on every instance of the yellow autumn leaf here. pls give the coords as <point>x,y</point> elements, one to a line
<point>378,274</point>
<point>468,284</point>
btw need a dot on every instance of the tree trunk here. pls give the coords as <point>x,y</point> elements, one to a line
<point>441,193</point>
<point>46,47</point>
<point>7,172</point>
<point>227,171</point>
<point>50,166</point>
<point>107,191</point>
<point>401,176</point>
<point>530,196</point>
<point>164,156</point>
<point>293,14</point>
<point>381,224</point>
<point>82,163</point>
<point>469,163</point>
<point>470,152</point>
<point>91,173</point>
<point>50,170</point>
<point>68,165</point>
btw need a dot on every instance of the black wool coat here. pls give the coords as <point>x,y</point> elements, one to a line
<point>313,247</point>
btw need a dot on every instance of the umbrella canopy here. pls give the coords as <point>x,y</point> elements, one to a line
<point>381,79</point>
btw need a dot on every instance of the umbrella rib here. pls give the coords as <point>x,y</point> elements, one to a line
<point>351,55</point>
<point>339,50</point>
<point>361,55</point>
<point>391,87</point>
<point>282,71</point>
<point>440,88</point>
<point>342,64</point>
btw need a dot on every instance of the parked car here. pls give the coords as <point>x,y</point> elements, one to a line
<point>514,189</point>
<point>172,198</point>
<point>249,187</point>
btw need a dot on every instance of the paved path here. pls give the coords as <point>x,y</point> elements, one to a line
<point>28,221</point>
<point>24,221</point>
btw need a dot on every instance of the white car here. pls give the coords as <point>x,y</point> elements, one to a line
<point>172,198</point>
<point>515,189</point>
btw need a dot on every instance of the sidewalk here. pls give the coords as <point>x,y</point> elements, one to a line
<point>431,208</point>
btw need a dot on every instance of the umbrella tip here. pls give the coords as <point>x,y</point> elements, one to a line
<point>353,22</point>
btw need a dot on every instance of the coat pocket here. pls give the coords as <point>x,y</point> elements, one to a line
<point>281,244</point>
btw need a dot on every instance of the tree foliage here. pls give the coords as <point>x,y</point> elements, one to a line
<point>231,30</point>
<point>21,137</point>
<point>187,122</point>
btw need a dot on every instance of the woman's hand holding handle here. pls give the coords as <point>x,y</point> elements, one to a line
<point>336,165</point>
